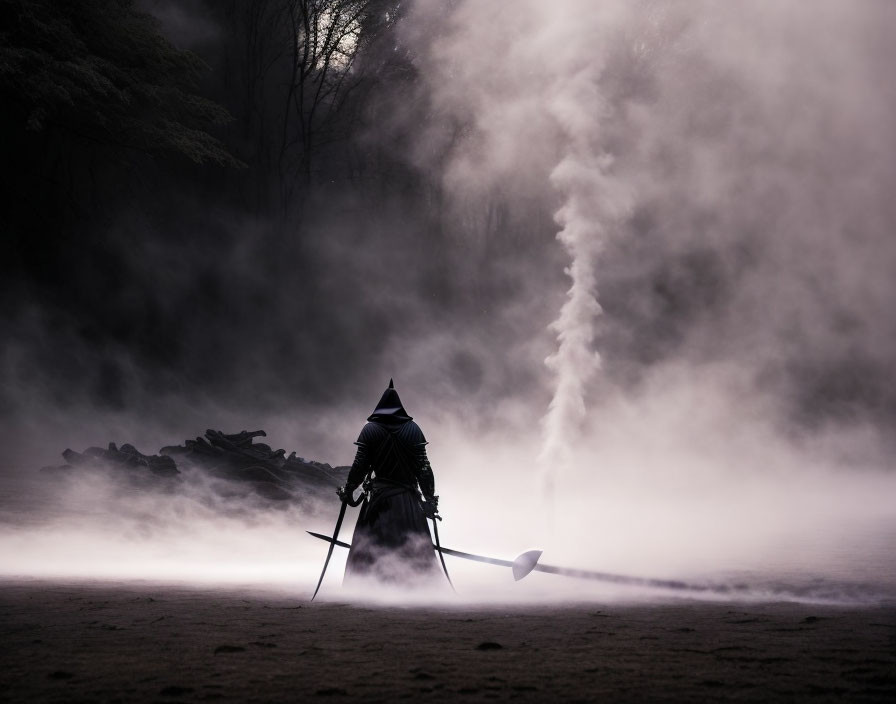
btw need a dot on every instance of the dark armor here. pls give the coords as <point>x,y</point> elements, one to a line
<point>391,539</point>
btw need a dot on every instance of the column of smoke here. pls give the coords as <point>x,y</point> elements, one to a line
<point>594,203</point>
<point>528,77</point>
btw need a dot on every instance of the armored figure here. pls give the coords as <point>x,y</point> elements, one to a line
<point>391,541</point>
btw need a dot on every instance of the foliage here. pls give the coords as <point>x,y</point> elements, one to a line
<point>99,70</point>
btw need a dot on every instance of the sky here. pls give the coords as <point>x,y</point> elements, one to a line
<point>657,312</point>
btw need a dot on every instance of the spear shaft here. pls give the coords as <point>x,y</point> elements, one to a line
<point>528,562</point>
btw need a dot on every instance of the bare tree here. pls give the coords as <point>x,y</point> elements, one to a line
<point>325,40</point>
<point>297,73</point>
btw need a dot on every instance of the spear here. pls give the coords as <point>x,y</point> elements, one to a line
<point>527,562</point>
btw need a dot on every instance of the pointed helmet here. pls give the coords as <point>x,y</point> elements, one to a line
<point>389,408</point>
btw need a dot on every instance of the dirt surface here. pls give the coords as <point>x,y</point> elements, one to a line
<point>108,642</point>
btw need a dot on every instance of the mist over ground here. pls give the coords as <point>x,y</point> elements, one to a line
<point>716,311</point>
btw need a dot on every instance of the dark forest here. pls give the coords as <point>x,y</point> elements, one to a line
<point>257,209</point>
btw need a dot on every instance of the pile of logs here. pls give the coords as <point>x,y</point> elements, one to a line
<point>126,456</point>
<point>234,457</point>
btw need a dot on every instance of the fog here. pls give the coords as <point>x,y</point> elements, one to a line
<point>673,357</point>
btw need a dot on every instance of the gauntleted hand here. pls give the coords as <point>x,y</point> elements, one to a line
<point>431,506</point>
<point>345,493</point>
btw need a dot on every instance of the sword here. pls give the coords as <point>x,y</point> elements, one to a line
<point>527,562</point>
<point>333,542</point>
<point>347,500</point>
<point>438,547</point>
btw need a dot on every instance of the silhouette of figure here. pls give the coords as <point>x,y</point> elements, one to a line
<point>391,540</point>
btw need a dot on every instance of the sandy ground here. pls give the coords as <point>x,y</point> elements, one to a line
<point>113,642</point>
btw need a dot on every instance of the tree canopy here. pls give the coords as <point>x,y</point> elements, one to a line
<point>101,71</point>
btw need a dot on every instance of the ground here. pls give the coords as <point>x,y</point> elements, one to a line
<point>136,642</point>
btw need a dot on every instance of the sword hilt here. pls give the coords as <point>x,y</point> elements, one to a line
<point>346,496</point>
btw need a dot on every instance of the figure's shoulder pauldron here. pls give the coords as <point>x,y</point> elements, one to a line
<point>370,434</point>
<point>411,434</point>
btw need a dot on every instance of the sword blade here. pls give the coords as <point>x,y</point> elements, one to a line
<point>330,549</point>
<point>438,547</point>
